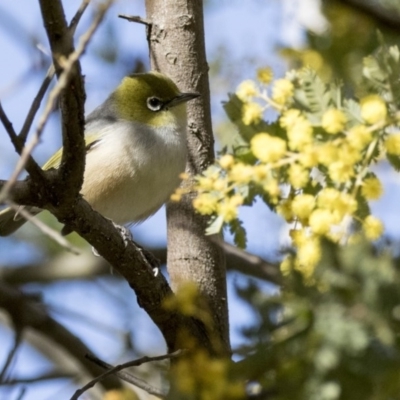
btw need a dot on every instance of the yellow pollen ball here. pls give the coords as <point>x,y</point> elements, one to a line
<point>265,75</point>
<point>246,90</point>
<point>392,144</point>
<point>373,227</point>
<point>321,221</point>
<point>333,121</point>
<point>372,188</point>
<point>303,205</point>
<point>252,113</point>
<point>373,109</point>
<point>267,148</point>
<point>226,161</point>
<point>205,203</point>
<point>359,137</point>
<point>282,91</point>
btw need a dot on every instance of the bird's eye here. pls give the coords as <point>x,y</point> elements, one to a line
<point>154,104</point>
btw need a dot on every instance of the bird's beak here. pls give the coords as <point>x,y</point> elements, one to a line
<point>182,98</point>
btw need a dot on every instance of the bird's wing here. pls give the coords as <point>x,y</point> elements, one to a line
<point>55,160</point>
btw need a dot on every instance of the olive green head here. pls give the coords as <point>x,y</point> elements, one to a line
<point>150,98</point>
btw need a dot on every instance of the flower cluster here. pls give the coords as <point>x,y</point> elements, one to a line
<point>311,166</point>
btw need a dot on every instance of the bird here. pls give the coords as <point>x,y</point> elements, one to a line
<point>135,151</point>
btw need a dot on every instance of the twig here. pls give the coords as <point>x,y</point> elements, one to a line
<point>135,18</point>
<point>21,393</point>
<point>250,264</point>
<point>19,141</point>
<point>48,78</point>
<point>51,233</point>
<point>11,354</point>
<point>36,104</point>
<point>124,375</point>
<point>78,15</point>
<point>67,65</point>
<point>34,168</point>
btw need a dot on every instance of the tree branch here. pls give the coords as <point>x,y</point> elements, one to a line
<point>384,16</point>
<point>87,267</point>
<point>117,370</point>
<point>25,313</point>
<point>177,48</point>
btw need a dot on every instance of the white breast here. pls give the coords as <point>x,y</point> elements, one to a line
<point>133,170</point>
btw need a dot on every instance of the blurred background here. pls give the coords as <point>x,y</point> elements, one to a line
<point>80,292</point>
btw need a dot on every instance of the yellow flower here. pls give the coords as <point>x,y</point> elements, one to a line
<point>309,156</point>
<point>282,91</point>
<point>220,184</point>
<point>286,266</point>
<point>327,153</point>
<point>328,198</point>
<point>267,148</point>
<point>333,121</point>
<point>272,188</point>
<point>289,118</point>
<point>373,227</point>
<point>226,161</point>
<point>298,237</point>
<point>373,109</point>
<point>300,134</point>
<point>372,188</point>
<point>348,154</point>
<point>205,203</point>
<point>345,205</point>
<point>308,256</point>
<point>285,210</point>
<point>298,176</point>
<point>260,173</point>
<point>392,144</point>
<point>265,75</point>
<point>227,210</point>
<point>246,90</point>
<point>303,205</point>
<point>341,171</point>
<point>252,113</point>
<point>359,137</point>
<point>241,173</point>
<point>321,221</point>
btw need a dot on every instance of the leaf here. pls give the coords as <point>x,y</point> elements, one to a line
<point>312,93</point>
<point>239,233</point>
<point>234,110</point>
<point>394,161</point>
<point>215,225</point>
<point>352,110</point>
<point>363,209</point>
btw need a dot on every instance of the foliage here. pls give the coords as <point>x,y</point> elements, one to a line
<point>334,340</point>
<point>313,165</point>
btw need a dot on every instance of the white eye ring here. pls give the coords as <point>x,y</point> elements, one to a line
<point>154,104</point>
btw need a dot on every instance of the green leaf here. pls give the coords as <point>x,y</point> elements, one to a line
<point>394,161</point>
<point>239,233</point>
<point>234,110</point>
<point>215,225</point>
<point>312,93</point>
<point>352,110</point>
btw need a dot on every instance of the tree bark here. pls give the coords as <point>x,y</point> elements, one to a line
<point>177,48</point>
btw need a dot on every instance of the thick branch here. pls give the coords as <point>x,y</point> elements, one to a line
<point>71,102</point>
<point>177,49</point>
<point>86,267</point>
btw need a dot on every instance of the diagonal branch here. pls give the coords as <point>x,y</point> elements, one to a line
<point>117,370</point>
<point>27,313</point>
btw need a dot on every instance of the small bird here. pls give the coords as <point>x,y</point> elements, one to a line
<point>135,151</point>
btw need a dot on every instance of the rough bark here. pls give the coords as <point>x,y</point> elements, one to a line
<point>176,39</point>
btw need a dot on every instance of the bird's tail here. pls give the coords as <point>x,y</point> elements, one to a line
<point>10,221</point>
